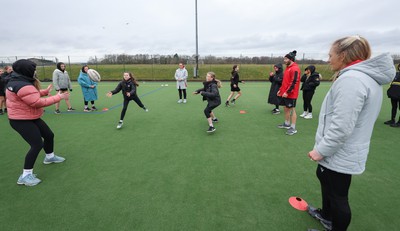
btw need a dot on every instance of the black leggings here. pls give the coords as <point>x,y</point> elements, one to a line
<point>180,93</point>
<point>335,203</point>
<point>307,97</point>
<point>395,105</point>
<point>208,110</point>
<point>86,102</point>
<point>126,102</point>
<point>33,131</point>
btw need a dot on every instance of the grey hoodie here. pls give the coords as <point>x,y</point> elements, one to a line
<point>349,112</point>
<point>61,80</point>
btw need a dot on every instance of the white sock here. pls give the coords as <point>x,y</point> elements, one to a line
<point>27,172</point>
<point>49,155</point>
<point>121,121</point>
<point>92,105</point>
<point>287,122</point>
<point>293,126</point>
<point>211,125</point>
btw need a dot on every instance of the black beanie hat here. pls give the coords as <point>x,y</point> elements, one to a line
<point>291,55</point>
<point>25,67</point>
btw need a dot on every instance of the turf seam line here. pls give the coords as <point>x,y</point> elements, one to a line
<point>111,108</point>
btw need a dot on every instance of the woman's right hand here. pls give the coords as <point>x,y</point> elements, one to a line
<point>109,94</point>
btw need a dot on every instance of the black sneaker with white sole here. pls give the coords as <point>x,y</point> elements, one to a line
<point>215,120</point>
<point>211,129</point>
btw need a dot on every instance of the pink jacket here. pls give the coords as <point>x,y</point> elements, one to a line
<point>27,104</point>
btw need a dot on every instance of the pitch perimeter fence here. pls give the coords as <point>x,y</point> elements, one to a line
<point>162,68</point>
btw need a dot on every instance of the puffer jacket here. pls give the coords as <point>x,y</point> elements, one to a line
<point>210,93</point>
<point>24,101</point>
<point>310,82</point>
<point>348,114</point>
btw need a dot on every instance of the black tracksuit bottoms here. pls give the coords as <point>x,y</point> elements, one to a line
<point>38,135</point>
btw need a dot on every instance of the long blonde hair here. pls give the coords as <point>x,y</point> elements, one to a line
<point>212,74</point>
<point>36,83</point>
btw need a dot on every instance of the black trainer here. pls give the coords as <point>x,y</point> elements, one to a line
<point>276,111</point>
<point>211,129</point>
<point>389,122</point>
<point>215,120</point>
<point>395,125</point>
<point>94,108</point>
<point>233,101</point>
<point>227,104</point>
<point>316,213</point>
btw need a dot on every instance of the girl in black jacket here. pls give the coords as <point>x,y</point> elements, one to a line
<point>310,81</point>
<point>211,94</point>
<point>128,86</point>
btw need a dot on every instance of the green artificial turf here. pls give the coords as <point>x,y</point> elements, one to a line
<point>162,171</point>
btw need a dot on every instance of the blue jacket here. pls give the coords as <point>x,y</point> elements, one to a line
<point>349,112</point>
<point>90,94</point>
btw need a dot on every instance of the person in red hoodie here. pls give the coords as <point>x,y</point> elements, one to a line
<point>25,107</point>
<point>289,92</point>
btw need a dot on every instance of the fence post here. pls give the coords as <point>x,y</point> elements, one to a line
<point>69,65</point>
<point>44,70</point>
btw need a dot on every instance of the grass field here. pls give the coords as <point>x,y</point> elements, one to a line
<point>166,72</point>
<point>162,171</point>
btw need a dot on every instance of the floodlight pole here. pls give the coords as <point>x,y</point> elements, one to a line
<point>196,71</point>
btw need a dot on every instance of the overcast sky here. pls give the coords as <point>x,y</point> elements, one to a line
<point>226,27</point>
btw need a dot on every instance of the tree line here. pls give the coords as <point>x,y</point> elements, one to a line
<point>175,59</point>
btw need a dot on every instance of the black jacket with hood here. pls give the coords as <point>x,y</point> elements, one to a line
<point>276,83</point>
<point>310,82</point>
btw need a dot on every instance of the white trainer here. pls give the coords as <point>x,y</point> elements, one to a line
<point>308,116</point>
<point>304,114</point>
